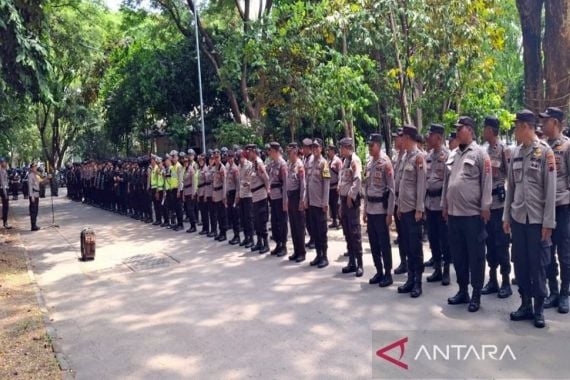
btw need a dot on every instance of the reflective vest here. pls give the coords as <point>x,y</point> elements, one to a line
<point>154,176</point>
<point>173,183</point>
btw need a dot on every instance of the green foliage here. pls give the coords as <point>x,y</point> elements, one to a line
<point>231,133</point>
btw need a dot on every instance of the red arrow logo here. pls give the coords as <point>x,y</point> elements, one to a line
<point>400,343</point>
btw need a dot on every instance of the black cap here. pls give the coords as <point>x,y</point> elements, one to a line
<point>410,130</point>
<point>317,142</point>
<point>274,145</point>
<point>492,121</point>
<point>331,147</point>
<point>420,139</point>
<point>452,135</point>
<point>293,145</point>
<point>525,116</point>
<point>436,128</point>
<point>346,142</point>
<point>307,142</point>
<point>375,138</point>
<point>251,147</point>
<point>552,112</point>
<point>465,121</point>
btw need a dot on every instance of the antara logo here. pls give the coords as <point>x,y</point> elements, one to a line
<point>400,343</point>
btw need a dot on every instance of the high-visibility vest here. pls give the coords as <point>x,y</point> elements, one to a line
<point>160,179</point>
<point>154,175</point>
<point>173,177</point>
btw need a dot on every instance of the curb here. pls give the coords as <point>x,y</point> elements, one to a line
<point>62,360</point>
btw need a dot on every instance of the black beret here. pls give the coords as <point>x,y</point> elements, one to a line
<point>525,116</point>
<point>318,142</point>
<point>552,112</point>
<point>410,130</point>
<point>347,141</point>
<point>375,138</point>
<point>437,128</point>
<point>465,121</point>
<point>492,121</point>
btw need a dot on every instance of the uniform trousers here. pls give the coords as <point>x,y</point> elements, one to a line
<point>297,222</point>
<point>531,256</point>
<point>467,236</point>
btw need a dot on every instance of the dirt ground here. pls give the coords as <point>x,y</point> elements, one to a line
<point>25,348</point>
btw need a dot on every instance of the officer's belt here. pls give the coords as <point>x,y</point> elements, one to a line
<point>37,190</point>
<point>218,188</point>
<point>187,186</point>
<point>434,193</point>
<point>204,184</point>
<point>498,190</point>
<point>375,199</point>
<point>276,185</point>
<point>257,188</point>
<point>333,186</point>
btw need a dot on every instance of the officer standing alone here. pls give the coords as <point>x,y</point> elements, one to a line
<point>4,192</point>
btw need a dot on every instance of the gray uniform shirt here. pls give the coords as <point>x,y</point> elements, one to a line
<point>499,170</point>
<point>350,179</point>
<point>561,148</point>
<point>189,180</point>
<point>318,182</point>
<point>435,174</point>
<point>259,181</point>
<point>379,183</point>
<point>232,171</point>
<point>531,194</point>
<point>219,183</point>
<point>208,188</point>
<point>335,166</point>
<point>34,181</point>
<point>245,169</point>
<point>398,168</point>
<point>412,191</point>
<point>296,178</point>
<point>278,179</point>
<point>4,182</point>
<point>468,181</point>
<point>202,179</point>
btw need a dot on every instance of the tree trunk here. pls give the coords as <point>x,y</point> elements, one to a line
<point>404,107</point>
<point>556,47</point>
<point>530,12</point>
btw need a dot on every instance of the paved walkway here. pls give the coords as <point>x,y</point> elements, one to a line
<point>166,305</point>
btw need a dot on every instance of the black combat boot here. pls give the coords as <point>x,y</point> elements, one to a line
<point>409,285</point>
<point>445,281</point>
<point>376,278</point>
<point>249,242</point>
<point>192,228</point>
<point>462,296</point>
<point>563,299</point>
<point>317,259</point>
<point>539,312</point>
<point>552,299</point>
<point>402,268</point>
<point>157,223</point>
<point>203,232</point>
<point>386,280</point>
<point>283,250</point>
<point>417,288</point>
<point>505,290</point>
<point>324,259</point>
<point>243,242</point>
<point>492,286</point>
<point>436,275</point>
<point>300,258</point>
<point>265,247</point>
<point>293,257</point>
<point>257,246</point>
<point>212,234</point>
<point>222,236</point>
<point>359,266</point>
<point>524,312</point>
<point>235,240</point>
<point>475,303</point>
<point>276,250</point>
<point>351,266</point>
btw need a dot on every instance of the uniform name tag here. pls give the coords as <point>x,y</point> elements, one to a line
<point>469,161</point>
<point>517,165</point>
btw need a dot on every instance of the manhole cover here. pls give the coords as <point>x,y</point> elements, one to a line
<point>149,261</point>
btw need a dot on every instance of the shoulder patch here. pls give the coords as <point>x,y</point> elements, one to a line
<point>550,161</point>
<point>325,172</point>
<point>388,168</point>
<point>420,161</point>
<point>487,165</point>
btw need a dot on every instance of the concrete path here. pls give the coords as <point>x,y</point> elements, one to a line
<point>168,305</point>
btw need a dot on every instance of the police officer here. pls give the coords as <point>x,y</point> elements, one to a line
<point>317,201</point>
<point>259,182</point>
<point>335,165</point>
<point>154,189</point>
<point>497,241</point>
<point>467,203</point>
<point>189,190</point>
<point>411,208</point>
<point>349,188</point>
<point>553,121</point>
<point>34,182</point>
<point>244,199</point>
<point>232,170</point>
<point>219,184</point>
<point>530,215</point>
<point>398,169</point>
<point>436,225</point>
<point>209,189</point>
<point>296,200</point>
<point>379,209</point>
<point>277,171</point>
<point>201,194</point>
<point>4,192</point>
<point>307,161</point>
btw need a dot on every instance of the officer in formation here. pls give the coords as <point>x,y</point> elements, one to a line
<point>278,173</point>
<point>335,165</point>
<point>34,182</point>
<point>296,202</point>
<point>4,186</point>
